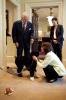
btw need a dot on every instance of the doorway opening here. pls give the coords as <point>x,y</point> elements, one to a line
<point>10,17</point>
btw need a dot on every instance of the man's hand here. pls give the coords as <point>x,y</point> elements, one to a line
<point>32,40</point>
<point>55,41</point>
<point>17,44</point>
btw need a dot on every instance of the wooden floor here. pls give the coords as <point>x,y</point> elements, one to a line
<point>24,89</point>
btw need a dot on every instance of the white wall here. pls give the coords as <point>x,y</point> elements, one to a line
<point>64,25</point>
<point>64,17</point>
<point>2,33</point>
<point>43,25</point>
<point>17,11</point>
<point>1,58</point>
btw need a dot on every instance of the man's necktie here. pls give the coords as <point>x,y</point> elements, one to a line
<point>24,26</point>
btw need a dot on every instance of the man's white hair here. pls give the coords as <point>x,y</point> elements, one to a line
<point>25,14</point>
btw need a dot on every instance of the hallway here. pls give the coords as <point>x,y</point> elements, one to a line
<point>24,89</point>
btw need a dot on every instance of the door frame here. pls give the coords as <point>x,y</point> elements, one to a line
<point>3,30</point>
<point>30,5</point>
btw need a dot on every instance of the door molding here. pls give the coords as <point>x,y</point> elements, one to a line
<point>3,30</point>
<point>30,5</point>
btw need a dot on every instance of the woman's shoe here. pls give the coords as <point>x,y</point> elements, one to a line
<point>52,80</point>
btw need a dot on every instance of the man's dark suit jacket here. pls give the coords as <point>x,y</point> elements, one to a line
<point>59,35</point>
<point>21,36</point>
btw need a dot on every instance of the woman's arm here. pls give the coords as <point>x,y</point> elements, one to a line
<point>43,63</point>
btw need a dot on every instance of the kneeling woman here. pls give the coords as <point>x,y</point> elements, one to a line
<point>51,64</point>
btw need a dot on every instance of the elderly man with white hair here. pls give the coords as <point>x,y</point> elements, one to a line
<point>22,34</point>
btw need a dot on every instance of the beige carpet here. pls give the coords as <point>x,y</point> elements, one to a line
<point>24,89</point>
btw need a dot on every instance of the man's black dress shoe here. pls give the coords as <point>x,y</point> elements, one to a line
<point>19,75</point>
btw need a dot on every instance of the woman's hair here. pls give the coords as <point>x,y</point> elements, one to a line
<point>47,47</point>
<point>55,19</point>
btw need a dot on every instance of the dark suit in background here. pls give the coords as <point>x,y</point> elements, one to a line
<point>59,37</point>
<point>23,37</point>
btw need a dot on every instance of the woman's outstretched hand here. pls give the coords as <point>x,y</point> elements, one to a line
<point>35,58</point>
